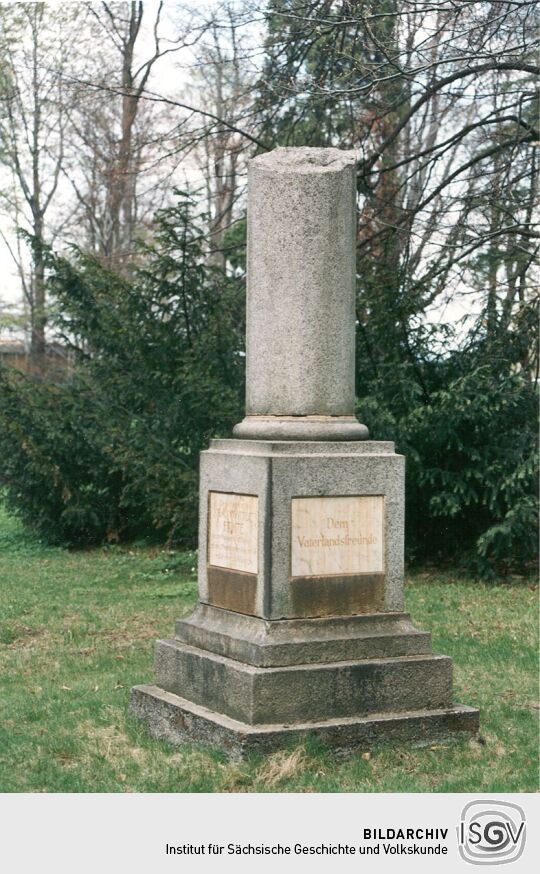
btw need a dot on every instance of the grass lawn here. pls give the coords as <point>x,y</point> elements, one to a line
<point>77,631</point>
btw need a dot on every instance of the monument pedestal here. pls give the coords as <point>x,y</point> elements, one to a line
<point>300,626</point>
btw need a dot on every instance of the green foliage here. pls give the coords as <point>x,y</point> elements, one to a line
<point>303,51</point>
<point>466,423</point>
<point>114,451</point>
<point>234,245</point>
<point>56,475</point>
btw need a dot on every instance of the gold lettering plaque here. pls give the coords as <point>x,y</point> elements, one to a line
<point>233,534</point>
<point>337,536</point>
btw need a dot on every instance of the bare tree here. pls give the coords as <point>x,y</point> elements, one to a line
<point>33,125</point>
<point>122,157</point>
<point>223,83</point>
<point>439,99</point>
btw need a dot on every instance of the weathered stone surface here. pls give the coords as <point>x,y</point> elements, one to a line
<point>232,590</point>
<point>178,721</point>
<point>303,692</point>
<point>288,447</point>
<point>300,320</point>
<point>300,428</point>
<point>276,473</point>
<point>275,643</point>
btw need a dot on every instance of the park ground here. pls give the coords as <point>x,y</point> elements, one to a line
<point>77,631</point>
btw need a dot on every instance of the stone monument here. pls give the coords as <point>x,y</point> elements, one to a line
<point>299,627</point>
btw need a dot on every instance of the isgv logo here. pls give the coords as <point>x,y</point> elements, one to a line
<point>491,832</point>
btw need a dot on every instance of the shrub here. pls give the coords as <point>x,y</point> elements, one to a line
<point>467,428</point>
<point>159,372</point>
<point>113,452</point>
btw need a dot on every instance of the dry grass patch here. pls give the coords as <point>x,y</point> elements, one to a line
<point>282,766</point>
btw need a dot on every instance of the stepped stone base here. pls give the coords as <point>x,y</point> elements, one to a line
<point>303,692</point>
<point>171,718</point>
<point>243,683</point>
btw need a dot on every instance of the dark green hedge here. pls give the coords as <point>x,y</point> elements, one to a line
<point>113,451</point>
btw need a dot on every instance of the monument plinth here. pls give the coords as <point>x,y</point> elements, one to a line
<point>300,626</point>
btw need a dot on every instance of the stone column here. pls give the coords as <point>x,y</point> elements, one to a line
<point>301,297</point>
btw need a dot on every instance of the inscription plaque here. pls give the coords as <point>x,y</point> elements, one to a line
<point>337,536</point>
<point>233,534</point>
